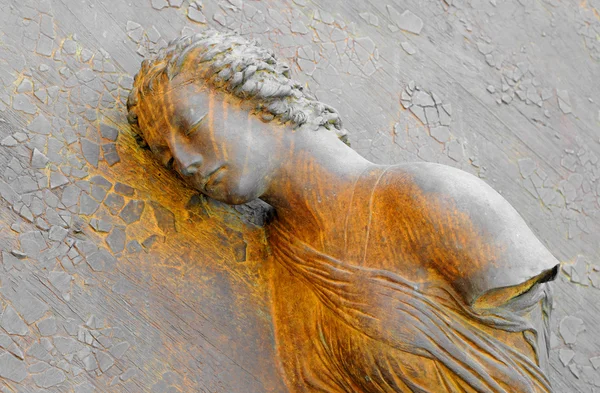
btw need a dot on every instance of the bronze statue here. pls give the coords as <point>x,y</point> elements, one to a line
<point>415,277</point>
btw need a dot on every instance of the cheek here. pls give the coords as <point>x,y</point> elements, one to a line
<point>242,188</point>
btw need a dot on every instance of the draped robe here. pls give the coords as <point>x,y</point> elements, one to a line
<point>352,323</point>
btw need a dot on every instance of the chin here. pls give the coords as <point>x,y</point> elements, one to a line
<point>238,200</point>
<point>235,193</point>
<point>243,196</point>
<point>231,196</point>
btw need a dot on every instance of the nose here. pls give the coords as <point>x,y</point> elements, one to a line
<point>189,167</point>
<point>187,159</point>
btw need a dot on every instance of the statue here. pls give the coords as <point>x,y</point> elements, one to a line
<point>415,277</point>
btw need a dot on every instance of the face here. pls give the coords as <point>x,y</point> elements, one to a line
<point>211,140</point>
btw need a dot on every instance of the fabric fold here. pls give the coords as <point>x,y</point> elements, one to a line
<point>427,320</point>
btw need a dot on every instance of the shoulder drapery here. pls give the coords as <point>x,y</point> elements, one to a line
<point>427,320</point>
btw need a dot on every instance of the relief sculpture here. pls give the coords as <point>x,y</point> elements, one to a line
<point>407,278</point>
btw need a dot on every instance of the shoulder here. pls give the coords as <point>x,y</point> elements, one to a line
<point>431,178</point>
<point>473,236</point>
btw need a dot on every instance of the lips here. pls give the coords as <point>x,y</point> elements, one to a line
<point>213,177</point>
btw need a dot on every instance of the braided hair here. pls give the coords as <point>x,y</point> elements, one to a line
<point>240,67</point>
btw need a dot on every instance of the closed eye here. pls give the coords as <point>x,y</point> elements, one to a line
<point>194,127</point>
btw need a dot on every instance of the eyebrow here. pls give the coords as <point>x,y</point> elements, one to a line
<point>194,126</point>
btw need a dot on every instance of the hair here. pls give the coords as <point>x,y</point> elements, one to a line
<point>231,63</point>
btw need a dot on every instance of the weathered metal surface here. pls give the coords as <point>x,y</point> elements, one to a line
<point>103,284</point>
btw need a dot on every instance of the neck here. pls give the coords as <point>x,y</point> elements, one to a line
<point>314,184</point>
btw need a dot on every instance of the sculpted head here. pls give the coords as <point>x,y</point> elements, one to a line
<point>212,106</point>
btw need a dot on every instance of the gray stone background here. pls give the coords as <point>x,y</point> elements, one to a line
<point>508,90</point>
